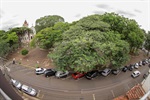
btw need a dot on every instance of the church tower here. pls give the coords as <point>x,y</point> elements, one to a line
<point>25,24</point>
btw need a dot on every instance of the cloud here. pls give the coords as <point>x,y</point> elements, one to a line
<point>98,12</point>
<point>103,6</point>
<point>9,24</point>
<point>138,11</point>
<point>15,16</point>
<point>7,27</point>
<point>78,15</point>
<point>127,13</point>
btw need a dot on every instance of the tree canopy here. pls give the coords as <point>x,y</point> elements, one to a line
<point>8,42</point>
<point>47,21</point>
<point>90,44</point>
<point>48,36</point>
<point>128,28</point>
<point>147,42</point>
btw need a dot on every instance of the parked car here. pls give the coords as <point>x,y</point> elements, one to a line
<point>49,72</point>
<point>143,62</point>
<point>92,74</point>
<point>135,74</point>
<point>28,90</point>
<point>136,65</point>
<point>77,75</point>
<point>125,68</point>
<point>145,75</point>
<point>130,67</point>
<point>106,72</point>
<point>140,63</point>
<point>16,83</point>
<point>61,74</point>
<point>39,71</point>
<point>116,71</point>
<point>146,61</point>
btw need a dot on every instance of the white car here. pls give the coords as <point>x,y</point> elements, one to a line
<point>135,74</point>
<point>28,90</point>
<point>61,74</point>
<point>39,71</point>
<point>106,72</point>
<point>16,83</point>
<point>136,65</point>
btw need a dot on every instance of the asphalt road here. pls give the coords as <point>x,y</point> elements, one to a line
<point>7,88</point>
<point>100,88</point>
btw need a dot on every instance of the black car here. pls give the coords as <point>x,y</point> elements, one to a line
<point>143,62</point>
<point>125,68</point>
<point>145,75</point>
<point>91,74</point>
<point>115,71</point>
<point>130,67</point>
<point>50,72</point>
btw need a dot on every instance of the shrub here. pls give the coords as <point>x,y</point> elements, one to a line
<point>24,52</point>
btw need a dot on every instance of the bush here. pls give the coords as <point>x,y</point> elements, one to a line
<point>24,52</point>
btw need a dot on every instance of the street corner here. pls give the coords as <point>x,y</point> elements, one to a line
<point>28,97</point>
<point>40,95</point>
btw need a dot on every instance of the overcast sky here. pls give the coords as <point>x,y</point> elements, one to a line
<point>14,12</point>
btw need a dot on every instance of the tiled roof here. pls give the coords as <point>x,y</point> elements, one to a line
<point>121,98</point>
<point>135,93</point>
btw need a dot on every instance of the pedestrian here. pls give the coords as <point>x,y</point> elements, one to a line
<point>13,60</point>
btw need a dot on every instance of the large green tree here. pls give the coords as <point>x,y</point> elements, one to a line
<point>88,45</point>
<point>47,21</point>
<point>48,36</point>
<point>128,28</point>
<point>147,42</point>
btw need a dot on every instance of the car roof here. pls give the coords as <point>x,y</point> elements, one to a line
<point>24,87</point>
<point>136,71</point>
<point>106,70</point>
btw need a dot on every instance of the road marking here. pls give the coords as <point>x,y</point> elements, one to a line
<point>93,96</point>
<point>112,93</point>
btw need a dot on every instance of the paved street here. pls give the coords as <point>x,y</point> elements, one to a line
<point>100,88</point>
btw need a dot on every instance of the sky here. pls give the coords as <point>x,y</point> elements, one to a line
<point>13,13</point>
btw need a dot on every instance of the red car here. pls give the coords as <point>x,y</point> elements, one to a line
<point>78,75</point>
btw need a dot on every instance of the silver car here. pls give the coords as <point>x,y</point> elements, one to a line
<point>61,74</point>
<point>28,90</point>
<point>106,72</point>
<point>39,71</point>
<point>135,74</point>
<point>16,83</point>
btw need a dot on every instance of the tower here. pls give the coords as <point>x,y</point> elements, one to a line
<point>25,24</point>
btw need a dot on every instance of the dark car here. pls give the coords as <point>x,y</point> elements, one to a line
<point>116,71</point>
<point>50,72</point>
<point>77,75</point>
<point>92,74</point>
<point>130,67</point>
<point>145,75</point>
<point>143,62</point>
<point>125,68</point>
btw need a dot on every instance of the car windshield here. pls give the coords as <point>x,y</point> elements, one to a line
<point>29,89</point>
